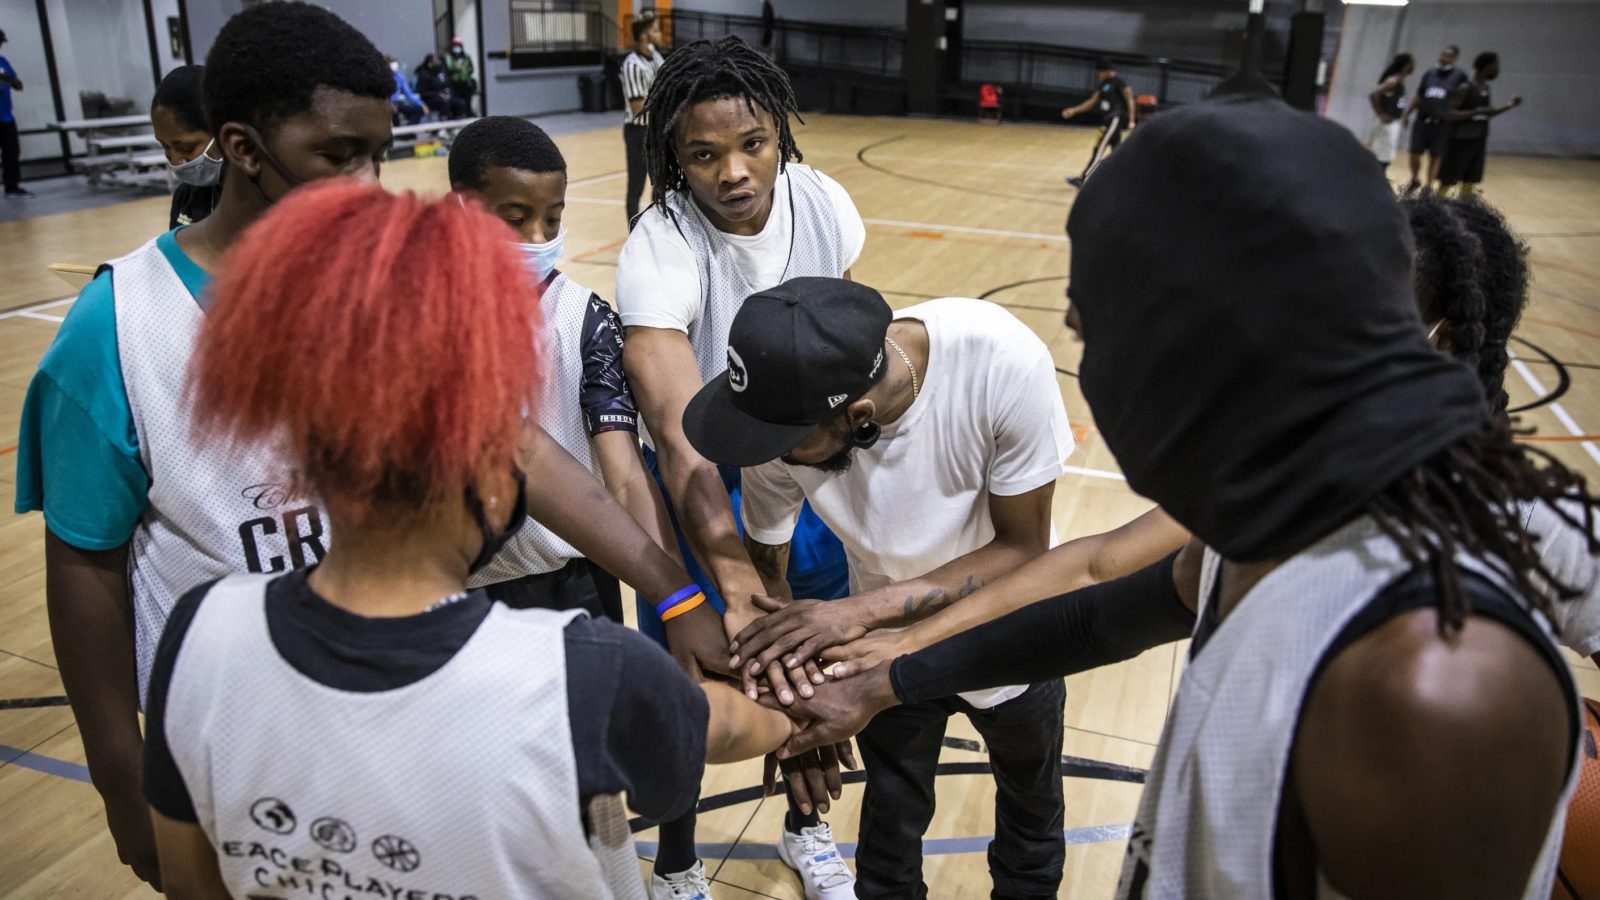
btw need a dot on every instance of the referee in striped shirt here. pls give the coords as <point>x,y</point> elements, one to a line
<point>638,73</point>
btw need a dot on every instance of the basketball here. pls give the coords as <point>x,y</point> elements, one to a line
<point>1579,874</point>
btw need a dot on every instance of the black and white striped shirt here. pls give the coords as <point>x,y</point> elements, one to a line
<point>638,73</point>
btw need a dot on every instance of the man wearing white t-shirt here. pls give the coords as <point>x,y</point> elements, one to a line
<point>734,212</point>
<point>931,444</point>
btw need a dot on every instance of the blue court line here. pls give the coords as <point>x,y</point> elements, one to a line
<point>646,849</point>
<point>930,846</point>
<point>46,764</point>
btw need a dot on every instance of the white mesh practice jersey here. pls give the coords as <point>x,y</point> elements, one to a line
<point>461,784</point>
<point>816,249</point>
<point>536,549</point>
<point>215,508</point>
<point>1208,820</point>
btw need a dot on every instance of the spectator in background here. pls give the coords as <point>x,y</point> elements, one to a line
<point>178,116</point>
<point>1388,100</point>
<point>433,85</point>
<point>1432,134</point>
<point>10,143</point>
<point>407,105</point>
<point>463,85</point>
<point>1469,113</point>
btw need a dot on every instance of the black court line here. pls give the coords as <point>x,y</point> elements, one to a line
<point>1023,283</point>
<point>33,702</point>
<point>861,157</point>
<point>1569,365</point>
<point>1071,767</point>
<point>1563,378</point>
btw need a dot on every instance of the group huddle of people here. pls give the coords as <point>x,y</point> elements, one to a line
<point>1452,113</point>
<point>340,486</point>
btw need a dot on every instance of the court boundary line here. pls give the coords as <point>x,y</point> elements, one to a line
<point>48,304</point>
<point>1555,408</point>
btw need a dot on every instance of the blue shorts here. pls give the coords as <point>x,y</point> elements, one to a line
<point>818,569</point>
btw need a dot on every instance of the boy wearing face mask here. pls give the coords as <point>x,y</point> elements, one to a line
<point>515,170</point>
<point>179,119</point>
<point>407,105</point>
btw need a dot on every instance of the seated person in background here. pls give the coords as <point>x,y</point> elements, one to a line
<point>536,721</point>
<point>178,116</point>
<point>432,81</point>
<point>407,105</point>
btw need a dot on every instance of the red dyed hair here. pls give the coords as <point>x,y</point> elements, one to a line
<point>386,341</point>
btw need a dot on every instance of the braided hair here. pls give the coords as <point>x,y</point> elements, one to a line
<point>1473,497</point>
<point>712,70</point>
<point>1472,273</point>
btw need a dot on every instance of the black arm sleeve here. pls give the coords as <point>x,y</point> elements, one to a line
<point>605,398</point>
<point>1070,633</point>
<point>638,723</point>
<point>163,784</point>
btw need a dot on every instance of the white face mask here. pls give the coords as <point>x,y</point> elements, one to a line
<point>394,66</point>
<point>540,259</point>
<point>202,171</point>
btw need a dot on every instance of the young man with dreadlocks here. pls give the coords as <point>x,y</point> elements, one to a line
<point>734,213</point>
<point>1368,590</point>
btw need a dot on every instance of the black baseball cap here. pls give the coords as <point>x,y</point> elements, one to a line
<point>797,354</point>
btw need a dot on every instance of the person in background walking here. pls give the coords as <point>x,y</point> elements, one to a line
<point>10,143</point>
<point>638,74</point>
<point>1388,100</point>
<point>1114,99</point>
<point>463,84</point>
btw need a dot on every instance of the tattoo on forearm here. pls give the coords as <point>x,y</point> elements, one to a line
<point>769,562</point>
<point>939,598</point>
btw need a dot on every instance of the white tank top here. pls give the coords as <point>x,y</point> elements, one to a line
<point>816,249</point>
<point>536,549</point>
<point>463,783</point>
<point>1207,823</point>
<point>214,509</point>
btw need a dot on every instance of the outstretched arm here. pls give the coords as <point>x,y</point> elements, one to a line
<point>804,629</point>
<point>1071,566</point>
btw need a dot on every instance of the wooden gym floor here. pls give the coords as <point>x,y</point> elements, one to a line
<point>951,209</point>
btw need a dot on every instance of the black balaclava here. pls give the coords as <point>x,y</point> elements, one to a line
<point>1252,350</point>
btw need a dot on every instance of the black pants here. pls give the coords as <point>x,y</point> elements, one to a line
<point>11,156</point>
<point>633,142</point>
<point>580,584</point>
<point>900,750</point>
<point>1107,140</point>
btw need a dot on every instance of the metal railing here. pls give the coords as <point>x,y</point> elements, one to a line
<point>558,26</point>
<point>1033,75</point>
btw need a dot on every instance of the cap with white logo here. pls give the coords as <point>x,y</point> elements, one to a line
<point>798,354</point>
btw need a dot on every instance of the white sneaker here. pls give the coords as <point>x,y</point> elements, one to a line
<point>690,885</point>
<point>822,870</point>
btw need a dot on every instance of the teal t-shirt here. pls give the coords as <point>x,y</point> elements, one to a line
<point>77,450</point>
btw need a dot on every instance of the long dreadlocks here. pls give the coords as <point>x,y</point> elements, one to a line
<point>712,70</point>
<point>1474,496</point>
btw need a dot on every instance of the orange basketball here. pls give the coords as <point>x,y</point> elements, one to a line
<point>1578,878</point>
